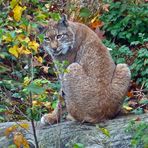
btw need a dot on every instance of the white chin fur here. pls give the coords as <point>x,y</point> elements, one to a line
<point>65,50</point>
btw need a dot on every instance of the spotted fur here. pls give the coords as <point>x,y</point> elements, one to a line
<point>94,86</point>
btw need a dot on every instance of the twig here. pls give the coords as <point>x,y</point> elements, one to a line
<point>23,127</point>
<point>21,112</point>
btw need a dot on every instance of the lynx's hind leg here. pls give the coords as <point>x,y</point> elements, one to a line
<point>80,93</point>
<point>120,81</point>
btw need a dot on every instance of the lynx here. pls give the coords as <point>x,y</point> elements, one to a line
<point>94,87</point>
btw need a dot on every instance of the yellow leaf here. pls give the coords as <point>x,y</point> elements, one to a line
<point>39,59</point>
<point>18,31</point>
<point>24,125</point>
<point>10,130</point>
<point>7,38</point>
<point>33,45</point>
<point>36,103</point>
<point>105,131</point>
<point>14,51</point>
<point>23,38</point>
<point>47,105</point>
<point>25,143</point>
<point>24,50</point>
<point>19,140</point>
<point>18,10</point>
<point>127,108</point>
<point>95,18</point>
<point>27,80</point>
<point>22,26</point>
<point>47,6</point>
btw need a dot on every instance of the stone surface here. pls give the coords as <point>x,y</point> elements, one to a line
<point>66,134</point>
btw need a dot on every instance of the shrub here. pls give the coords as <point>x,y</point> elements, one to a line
<point>125,21</point>
<point>125,26</point>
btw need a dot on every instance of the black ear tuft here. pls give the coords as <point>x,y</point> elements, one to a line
<point>41,29</point>
<point>63,22</point>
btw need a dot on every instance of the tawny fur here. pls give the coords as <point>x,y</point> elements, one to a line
<point>94,86</point>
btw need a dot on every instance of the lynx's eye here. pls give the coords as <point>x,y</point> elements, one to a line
<point>59,36</point>
<point>47,39</point>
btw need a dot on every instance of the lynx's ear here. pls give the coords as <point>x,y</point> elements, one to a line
<point>63,22</point>
<point>41,28</point>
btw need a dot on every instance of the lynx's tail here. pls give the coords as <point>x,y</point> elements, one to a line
<point>120,81</point>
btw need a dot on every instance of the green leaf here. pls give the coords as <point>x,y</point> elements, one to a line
<point>2,110</point>
<point>134,142</point>
<point>16,95</point>
<point>54,104</point>
<point>120,60</point>
<point>35,88</point>
<point>78,145</point>
<point>145,141</point>
<point>138,111</point>
<point>41,37</point>
<point>135,43</point>
<point>85,12</point>
<point>2,118</point>
<point>143,101</point>
<point>13,3</point>
<point>12,146</point>
<point>55,16</point>
<point>105,131</point>
<point>3,69</point>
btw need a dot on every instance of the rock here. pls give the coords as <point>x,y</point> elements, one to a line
<point>66,134</point>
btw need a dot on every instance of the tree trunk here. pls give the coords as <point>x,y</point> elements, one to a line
<point>66,134</point>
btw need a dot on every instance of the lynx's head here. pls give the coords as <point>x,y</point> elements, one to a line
<point>59,37</point>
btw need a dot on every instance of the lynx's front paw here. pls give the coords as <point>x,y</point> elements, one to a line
<point>49,119</point>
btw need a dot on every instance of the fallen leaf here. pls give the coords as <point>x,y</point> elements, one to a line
<point>45,69</point>
<point>19,140</point>
<point>10,130</point>
<point>127,108</point>
<point>39,59</point>
<point>36,103</point>
<point>24,125</point>
<point>105,131</point>
<point>96,24</point>
<point>129,94</point>
<point>36,62</point>
<point>47,105</point>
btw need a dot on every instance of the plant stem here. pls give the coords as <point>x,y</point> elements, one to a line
<point>34,133</point>
<point>30,99</point>
<point>32,123</point>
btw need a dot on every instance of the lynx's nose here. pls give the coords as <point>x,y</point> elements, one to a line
<point>54,49</point>
<point>54,45</point>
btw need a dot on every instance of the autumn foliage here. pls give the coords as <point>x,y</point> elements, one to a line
<point>25,68</point>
